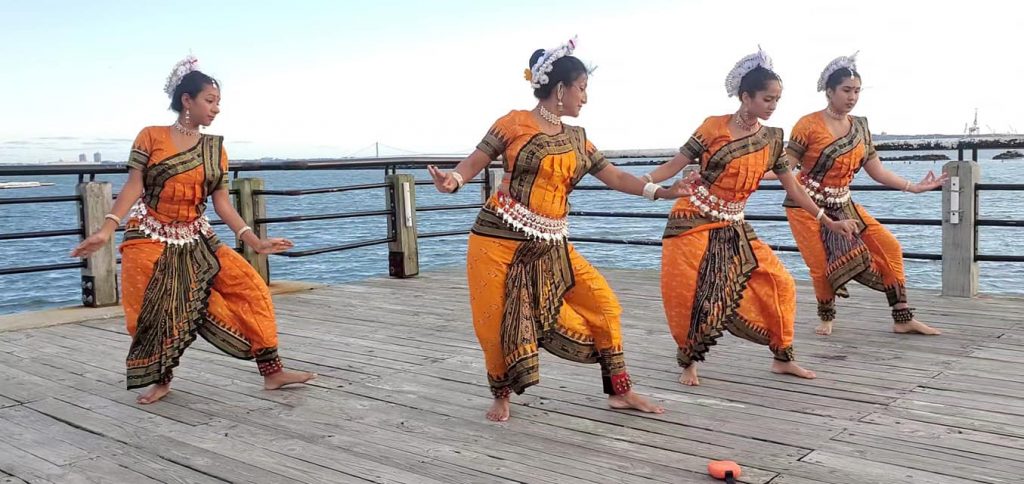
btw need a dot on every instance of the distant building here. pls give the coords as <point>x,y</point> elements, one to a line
<point>96,157</point>
<point>81,157</point>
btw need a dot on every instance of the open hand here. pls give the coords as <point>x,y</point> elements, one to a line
<point>444,182</point>
<point>91,244</point>
<point>273,245</point>
<point>929,182</point>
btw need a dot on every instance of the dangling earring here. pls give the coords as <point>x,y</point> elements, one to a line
<point>188,118</point>
<point>561,92</point>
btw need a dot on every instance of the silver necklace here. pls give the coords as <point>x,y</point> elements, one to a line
<point>185,131</point>
<point>549,116</point>
<point>743,123</point>
<point>834,115</point>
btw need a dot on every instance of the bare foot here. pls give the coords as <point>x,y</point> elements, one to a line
<point>791,368</point>
<point>154,394</point>
<point>824,329</point>
<point>634,401</point>
<point>499,411</point>
<point>914,327</point>
<point>689,376</point>
<point>284,377</point>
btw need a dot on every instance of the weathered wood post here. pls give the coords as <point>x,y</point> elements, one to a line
<point>959,229</point>
<point>403,251</point>
<point>252,207</point>
<point>99,276</point>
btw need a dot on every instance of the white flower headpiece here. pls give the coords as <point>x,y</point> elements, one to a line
<point>537,74</point>
<point>844,62</point>
<point>184,66</point>
<point>745,65</point>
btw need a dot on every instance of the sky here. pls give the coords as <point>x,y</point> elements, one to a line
<point>328,79</point>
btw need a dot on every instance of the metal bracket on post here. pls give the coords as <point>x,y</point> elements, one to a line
<point>407,203</point>
<point>954,200</point>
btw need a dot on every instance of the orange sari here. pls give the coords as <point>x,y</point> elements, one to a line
<point>827,167</point>
<point>529,290</point>
<point>173,290</point>
<point>716,274</point>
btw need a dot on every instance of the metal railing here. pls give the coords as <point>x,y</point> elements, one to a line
<point>392,166</point>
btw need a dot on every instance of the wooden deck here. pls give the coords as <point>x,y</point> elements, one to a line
<point>402,394</point>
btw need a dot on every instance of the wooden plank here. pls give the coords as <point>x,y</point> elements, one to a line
<point>103,470</point>
<point>149,465</point>
<point>7,402</point>
<point>900,453</point>
<point>472,428</point>
<point>167,448</point>
<point>26,466</point>
<point>64,383</point>
<point>219,442</point>
<point>876,472</point>
<point>376,409</point>
<point>402,401</point>
<point>945,436</point>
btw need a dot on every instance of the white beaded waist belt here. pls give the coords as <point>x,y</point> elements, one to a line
<point>831,196</point>
<point>170,233</point>
<point>534,225</point>
<point>715,208</point>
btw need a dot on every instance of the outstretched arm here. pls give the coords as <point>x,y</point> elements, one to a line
<point>467,169</point>
<point>226,211</point>
<point>129,194</point>
<point>878,172</point>
<point>669,168</point>
<point>620,180</point>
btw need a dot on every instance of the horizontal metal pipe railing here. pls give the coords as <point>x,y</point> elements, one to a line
<point>393,164</point>
<point>318,191</point>
<point>28,200</point>
<point>325,216</point>
<point>445,208</point>
<point>41,234</point>
<point>335,248</point>
<point>41,268</point>
<point>444,233</point>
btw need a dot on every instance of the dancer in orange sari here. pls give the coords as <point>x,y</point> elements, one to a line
<point>828,160</point>
<point>529,288</point>
<point>177,278</point>
<point>716,274</point>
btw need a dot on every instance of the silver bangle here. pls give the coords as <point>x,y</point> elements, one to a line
<point>651,191</point>
<point>242,231</point>
<point>113,218</point>
<point>821,214</point>
<point>458,178</point>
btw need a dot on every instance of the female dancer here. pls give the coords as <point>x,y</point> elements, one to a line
<point>716,274</point>
<point>177,278</point>
<point>830,147</point>
<point>529,288</point>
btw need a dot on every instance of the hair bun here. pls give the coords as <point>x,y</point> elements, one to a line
<point>535,57</point>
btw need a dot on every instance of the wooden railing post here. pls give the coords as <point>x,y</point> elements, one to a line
<point>99,276</point>
<point>252,207</point>
<point>403,251</point>
<point>959,229</point>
